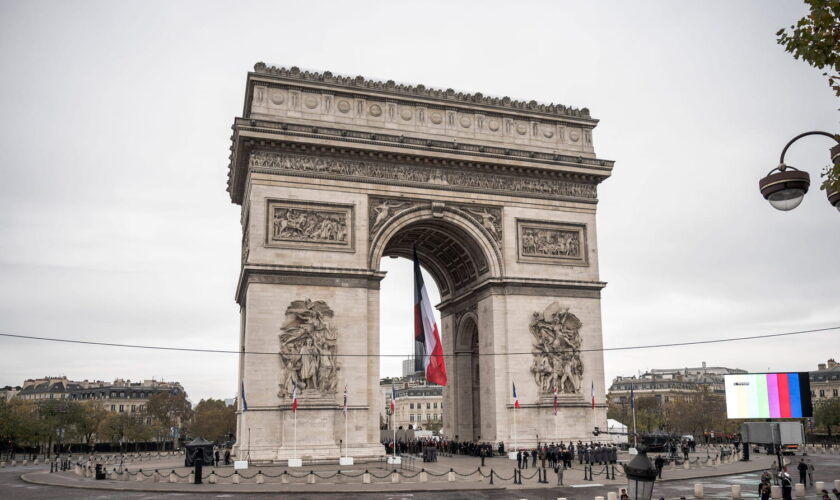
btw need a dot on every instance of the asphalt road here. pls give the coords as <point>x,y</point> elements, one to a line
<point>827,468</point>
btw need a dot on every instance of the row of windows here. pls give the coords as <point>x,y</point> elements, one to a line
<point>113,394</point>
<point>834,393</point>
<point>124,408</point>
<point>430,417</point>
<point>429,406</point>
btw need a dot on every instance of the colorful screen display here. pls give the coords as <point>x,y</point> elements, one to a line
<point>768,395</point>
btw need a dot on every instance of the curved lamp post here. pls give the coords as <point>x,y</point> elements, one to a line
<point>785,186</point>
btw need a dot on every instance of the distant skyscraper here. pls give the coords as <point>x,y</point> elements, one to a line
<point>408,366</point>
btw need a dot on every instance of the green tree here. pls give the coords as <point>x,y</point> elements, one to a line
<point>213,420</point>
<point>168,409</point>
<point>827,414</point>
<point>816,40</point>
<point>92,414</point>
<point>19,422</point>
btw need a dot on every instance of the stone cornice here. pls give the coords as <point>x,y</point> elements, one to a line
<point>305,275</point>
<point>251,134</point>
<point>360,83</point>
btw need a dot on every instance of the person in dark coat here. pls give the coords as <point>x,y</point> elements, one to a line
<point>659,463</point>
<point>803,471</point>
<point>787,487</point>
<point>216,458</point>
<point>519,459</point>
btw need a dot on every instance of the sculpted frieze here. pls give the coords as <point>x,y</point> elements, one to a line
<point>488,217</point>
<point>556,350</point>
<point>381,210</point>
<point>308,349</point>
<point>309,225</point>
<point>552,243</point>
<point>393,173</point>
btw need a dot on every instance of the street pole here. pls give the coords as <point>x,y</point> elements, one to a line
<point>635,442</point>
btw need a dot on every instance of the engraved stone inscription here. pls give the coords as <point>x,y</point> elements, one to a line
<point>557,341</point>
<point>552,243</point>
<point>296,224</point>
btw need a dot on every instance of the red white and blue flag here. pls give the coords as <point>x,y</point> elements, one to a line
<point>593,394</point>
<point>554,389</point>
<point>393,399</point>
<point>428,351</point>
<point>515,399</point>
<point>345,401</point>
<point>294,398</point>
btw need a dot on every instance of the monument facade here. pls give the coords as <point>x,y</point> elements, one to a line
<point>499,197</point>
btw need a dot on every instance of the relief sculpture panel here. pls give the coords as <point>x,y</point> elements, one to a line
<point>308,349</point>
<point>551,243</point>
<point>557,341</point>
<point>316,226</point>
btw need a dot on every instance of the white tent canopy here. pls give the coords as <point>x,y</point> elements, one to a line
<point>616,426</point>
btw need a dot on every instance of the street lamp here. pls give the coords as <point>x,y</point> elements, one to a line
<point>785,186</point>
<point>641,475</point>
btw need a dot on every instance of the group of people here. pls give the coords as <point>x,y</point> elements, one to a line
<point>561,455</point>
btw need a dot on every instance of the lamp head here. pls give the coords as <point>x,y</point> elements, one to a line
<point>785,187</point>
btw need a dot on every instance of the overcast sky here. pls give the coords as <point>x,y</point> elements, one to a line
<point>115,224</point>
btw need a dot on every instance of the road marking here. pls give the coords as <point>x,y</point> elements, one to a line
<point>585,485</point>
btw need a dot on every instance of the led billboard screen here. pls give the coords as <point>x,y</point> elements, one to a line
<point>768,395</point>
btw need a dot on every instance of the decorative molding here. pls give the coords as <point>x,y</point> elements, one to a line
<point>361,83</point>
<point>557,341</point>
<point>551,243</point>
<point>424,176</point>
<point>310,225</point>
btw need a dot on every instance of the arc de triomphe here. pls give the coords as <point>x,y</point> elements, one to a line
<point>499,196</point>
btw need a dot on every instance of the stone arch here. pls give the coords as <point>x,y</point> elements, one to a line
<point>456,251</point>
<point>465,417</point>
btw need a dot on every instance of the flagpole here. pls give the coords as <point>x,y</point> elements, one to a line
<point>345,434</point>
<point>515,447</point>
<point>634,425</point>
<point>294,413</point>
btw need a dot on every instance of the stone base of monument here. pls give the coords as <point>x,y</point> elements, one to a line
<point>345,461</point>
<point>295,462</point>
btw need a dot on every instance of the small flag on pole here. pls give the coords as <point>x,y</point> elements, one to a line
<point>294,399</point>
<point>393,398</point>
<point>593,394</point>
<point>515,399</point>
<point>345,401</point>
<point>554,389</point>
<point>244,404</point>
<point>632,398</point>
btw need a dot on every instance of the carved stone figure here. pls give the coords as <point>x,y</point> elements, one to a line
<point>308,349</point>
<point>490,222</point>
<point>556,345</point>
<point>384,211</point>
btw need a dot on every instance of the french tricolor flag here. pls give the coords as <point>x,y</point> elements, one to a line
<point>393,399</point>
<point>515,399</point>
<point>428,351</point>
<point>294,398</point>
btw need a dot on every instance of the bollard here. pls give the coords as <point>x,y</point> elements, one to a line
<point>611,495</point>
<point>698,490</point>
<point>799,490</point>
<point>736,491</point>
<point>172,477</point>
<point>139,476</point>
<point>775,491</point>
<point>191,479</point>
<point>366,478</point>
<point>285,478</point>
<point>395,477</point>
<point>25,462</point>
<point>260,477</point>
<point>686,465</point>
<point>451,476</point>
<point>820,485</point>
<point>837,484</point>
<point>599,498</point>
<point>424,477</point>
<point>236,477</point>
<point>156,476</point>
<point>212,479</point>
